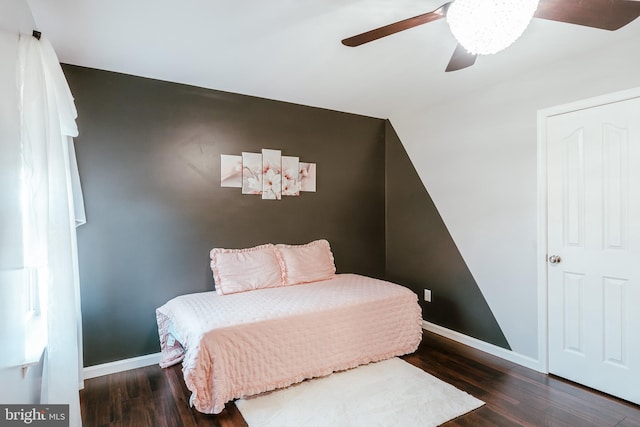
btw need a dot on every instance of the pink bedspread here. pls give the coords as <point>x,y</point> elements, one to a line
<point>242,344</point>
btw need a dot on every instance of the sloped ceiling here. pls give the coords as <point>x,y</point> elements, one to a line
<point>291,51</point>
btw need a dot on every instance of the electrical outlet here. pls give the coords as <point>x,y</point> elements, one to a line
<point>427,295</point>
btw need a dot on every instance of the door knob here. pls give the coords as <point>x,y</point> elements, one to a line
<point>555,259</point>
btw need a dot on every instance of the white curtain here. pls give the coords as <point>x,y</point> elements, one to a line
<point>53,210</point>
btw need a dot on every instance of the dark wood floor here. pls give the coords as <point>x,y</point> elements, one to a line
<point>514,395</point>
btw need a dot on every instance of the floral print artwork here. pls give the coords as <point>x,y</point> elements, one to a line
<point>290,173</point>
<point>307,177</point>
<point>269,174</point>
<point>230,171</point>
<point>251,173</point>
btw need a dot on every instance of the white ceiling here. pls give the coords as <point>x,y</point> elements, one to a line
<point>291,51</point>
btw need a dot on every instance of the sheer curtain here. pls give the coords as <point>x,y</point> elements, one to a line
<point>52,212</point>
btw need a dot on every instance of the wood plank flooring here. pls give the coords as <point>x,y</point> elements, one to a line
<point>514,395</point>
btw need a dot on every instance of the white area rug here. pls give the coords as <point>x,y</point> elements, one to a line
<point>388,393</point>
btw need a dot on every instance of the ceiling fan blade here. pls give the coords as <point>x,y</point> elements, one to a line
<point>396,27</point>
<point>603,14</point>
<point>460,59</point>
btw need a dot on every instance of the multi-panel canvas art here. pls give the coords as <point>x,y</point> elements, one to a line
<point>230,171</point>
<point>251,173</point>
<point>307,176</point>
<point>290,176</point>
<point>269,174</point>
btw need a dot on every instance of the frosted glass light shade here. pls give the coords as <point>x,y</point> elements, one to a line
<point>487,26</point>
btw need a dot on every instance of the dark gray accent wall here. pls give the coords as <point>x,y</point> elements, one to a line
<point>420,253</point>
<point>149,159</point>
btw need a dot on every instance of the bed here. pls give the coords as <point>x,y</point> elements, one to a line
<point>245,342</point>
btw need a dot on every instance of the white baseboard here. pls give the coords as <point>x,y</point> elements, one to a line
<point>494,350</point>
<point>120,365</point>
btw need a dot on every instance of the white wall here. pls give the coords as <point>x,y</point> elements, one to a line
<point>16,17</point>
<point>477,158</point>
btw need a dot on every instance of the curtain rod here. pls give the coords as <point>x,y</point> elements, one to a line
<point>37,34</point>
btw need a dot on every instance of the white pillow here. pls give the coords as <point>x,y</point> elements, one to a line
<point>307,263</point>
<point>240,270</point>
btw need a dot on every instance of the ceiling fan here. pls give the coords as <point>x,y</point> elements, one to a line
<point>602,14</point>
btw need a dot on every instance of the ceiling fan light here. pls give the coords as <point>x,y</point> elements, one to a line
<point>487,26</point>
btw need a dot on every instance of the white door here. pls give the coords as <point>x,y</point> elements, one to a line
<point>594,247</point>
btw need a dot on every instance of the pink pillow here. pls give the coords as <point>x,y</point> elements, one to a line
<point>240,270</point>
<point>307,263</point>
